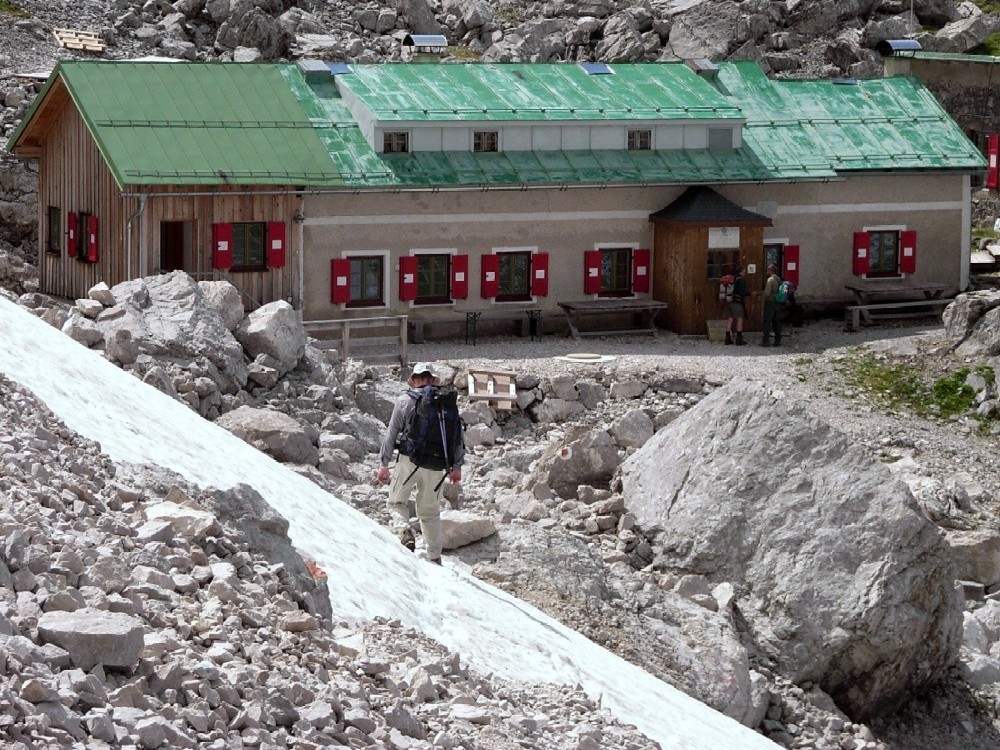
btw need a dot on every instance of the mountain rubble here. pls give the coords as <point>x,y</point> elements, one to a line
<point>538,514</point>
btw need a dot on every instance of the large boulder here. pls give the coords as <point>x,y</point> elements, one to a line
<point>839,577</point>
<point>972,323</point>
<point>168,316</point>
<point>584,456</point>
<point>93,636</point>
<point>274,330</point>
<point>272,431</point>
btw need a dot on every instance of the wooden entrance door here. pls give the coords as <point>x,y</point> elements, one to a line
<point>175,245</point>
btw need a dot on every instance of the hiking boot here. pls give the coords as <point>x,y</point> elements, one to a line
<point>729,338</point>
<point>777,340</point>
<point>435,560</point>
<point>408,540</point>
<point>765,342</point>
<point>739,339</point>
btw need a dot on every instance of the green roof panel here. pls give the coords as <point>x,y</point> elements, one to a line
<point>266,124</point>
<point>198,124</point>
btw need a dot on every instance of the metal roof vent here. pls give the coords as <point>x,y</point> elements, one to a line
<point>313,70</point>
<point>426,47</point>
<point>704,68</point>
<point>898,47</point>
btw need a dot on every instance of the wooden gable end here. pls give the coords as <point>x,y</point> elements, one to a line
<point>43,120</point>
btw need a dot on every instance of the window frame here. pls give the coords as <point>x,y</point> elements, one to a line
<point>54,231</point>
<point>491,138</point>
<point>617,249</point>
<point>363,255</point>
<point>507,254</point>
<point>395,141</point>
<point>724,263</point>
<point>639,139</point>
<point>425,255</point>
<point>881,231</point>
<point>239,250</point>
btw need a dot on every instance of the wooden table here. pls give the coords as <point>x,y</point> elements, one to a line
<point>905,293</point>
<point>576,310</point>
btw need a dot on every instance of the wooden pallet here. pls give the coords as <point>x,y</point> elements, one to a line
<point>87,41</point>
<point>495,386</point>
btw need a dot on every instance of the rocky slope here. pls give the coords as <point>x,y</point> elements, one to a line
<point>552,530</point>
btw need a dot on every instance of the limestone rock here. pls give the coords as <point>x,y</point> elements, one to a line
<point>846,583</point>
<point>93,637</point>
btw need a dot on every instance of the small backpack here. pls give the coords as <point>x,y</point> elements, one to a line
<point>785,289</point>
<point>726,286</point>
<point>432,431</point>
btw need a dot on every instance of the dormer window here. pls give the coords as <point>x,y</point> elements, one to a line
<point>395,142</point>
<point>640,140</point>
<point>485,141</point>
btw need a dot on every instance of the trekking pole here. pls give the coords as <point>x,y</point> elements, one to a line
<point>444,445</point>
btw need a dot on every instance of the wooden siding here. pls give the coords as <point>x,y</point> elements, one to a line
<point>73,177</point>
<point>225,205</point>
<point>680,278</point>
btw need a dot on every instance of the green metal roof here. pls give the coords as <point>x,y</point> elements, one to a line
<point>957,57</point>
<point>197,124</point>
<point>267,124</point>
<point>533,92</point>
<point>877,124</point>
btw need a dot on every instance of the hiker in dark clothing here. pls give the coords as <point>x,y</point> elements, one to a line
<point>735,309</point>
<point>406,476</point>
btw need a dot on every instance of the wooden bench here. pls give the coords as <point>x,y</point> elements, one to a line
<point>920,308</point>
<point>376,349</point>
<point>605,308</point>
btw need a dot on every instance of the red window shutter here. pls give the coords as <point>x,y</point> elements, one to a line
<point>592,272</point>
<point>340,281</point>
<point>791,262</point>
<point>408,278</point>
<point>222,246</point>
<point>640,270</point>
<point>71,234</point>
<point>92,239</point>
<point>491,276</point>
<point>540,274</point>
<point>459,276</point>
<point>276,244</point>
<point>862,244</point>
<point>993,163</point>
<point>908,252</point>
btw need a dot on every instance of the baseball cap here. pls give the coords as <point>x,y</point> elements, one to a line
<point>423,368</point>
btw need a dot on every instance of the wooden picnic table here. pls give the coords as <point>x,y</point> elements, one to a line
<point>906,293</point>
<point>576,310</point>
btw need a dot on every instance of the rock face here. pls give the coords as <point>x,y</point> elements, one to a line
<point>169,316</point>
<point>837,574</point>
<point>972,323</point>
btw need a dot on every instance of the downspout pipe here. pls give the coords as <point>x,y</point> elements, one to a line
<point>128,235</point>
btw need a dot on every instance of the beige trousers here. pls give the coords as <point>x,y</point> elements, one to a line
<point>428,504</point>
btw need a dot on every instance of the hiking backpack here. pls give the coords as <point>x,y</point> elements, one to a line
<point>726,286</point>
<point>432,431</point>
<point>785,288</point>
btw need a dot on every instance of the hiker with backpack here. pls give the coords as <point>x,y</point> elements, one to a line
<point>426,430</point>
<point>775,297</point>
<point>734,291</point>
